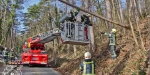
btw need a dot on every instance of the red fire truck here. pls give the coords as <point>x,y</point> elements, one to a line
<point>34,53</point>
<point>69,32</point>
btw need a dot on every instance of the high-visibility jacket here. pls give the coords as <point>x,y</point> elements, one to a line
<point>87,67</point>
<point>11,54</point>
<point>5,53</point>
<point>112,38</point>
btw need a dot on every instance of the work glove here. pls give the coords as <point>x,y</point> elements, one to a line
<point>102,32</point>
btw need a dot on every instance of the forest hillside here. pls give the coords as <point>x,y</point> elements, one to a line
<point>128,17</point>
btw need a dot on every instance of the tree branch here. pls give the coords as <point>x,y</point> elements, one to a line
<point>96,15</point>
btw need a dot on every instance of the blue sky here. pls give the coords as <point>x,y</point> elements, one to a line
<point>29,3</point>
<point>26,6</point>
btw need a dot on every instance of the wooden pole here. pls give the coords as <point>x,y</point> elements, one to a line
<point>96,15</point>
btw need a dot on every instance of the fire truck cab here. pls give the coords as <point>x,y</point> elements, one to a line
<point>36,53</point>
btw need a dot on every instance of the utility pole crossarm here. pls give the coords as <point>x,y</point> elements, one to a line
<point>96,15</point>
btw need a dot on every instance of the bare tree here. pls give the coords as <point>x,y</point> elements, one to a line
<point>91,46</point>
<point>108,13</point>
<point>74,46</point>
<point>138,7</point>
<point>137,20</point>
<point>129,5</point>
<point>121,14</point>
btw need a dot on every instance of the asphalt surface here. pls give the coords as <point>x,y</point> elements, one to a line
<point>2,69</point>
<point>38,71</point>
<point>34,70</point>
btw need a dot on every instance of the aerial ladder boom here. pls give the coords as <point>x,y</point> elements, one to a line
<point>75,33</point>
<point>46,36</point>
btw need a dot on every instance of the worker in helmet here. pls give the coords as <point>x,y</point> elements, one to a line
<point>85,17</point>
<point>74,12</point>
<point>12,55</point>
<point>5,55</point>
<point>112,42</point>
<point>87,66</point>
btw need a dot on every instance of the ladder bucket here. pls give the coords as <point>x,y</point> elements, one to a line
<point>75,34</point>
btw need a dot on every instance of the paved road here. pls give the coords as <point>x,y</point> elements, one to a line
<point>38,71</point>
<point>2,69</point>
<point>25,70</point>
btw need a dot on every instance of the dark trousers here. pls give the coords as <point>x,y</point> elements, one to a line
<point>5,59</point>
<point>112,51</point>
<point>12,59</point>
<point>69,26</point>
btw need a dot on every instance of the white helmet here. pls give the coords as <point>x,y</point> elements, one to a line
<point>114,30</point>
<point>25,43</point>
<point>87,55</point>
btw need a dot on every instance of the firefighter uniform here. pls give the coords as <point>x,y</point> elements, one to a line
<point>87,66</point>
<point>72,19</point>
<point>85,18</point>
<point>12,56</point>
<point>73,13</point>
<point>112,42</point>
<point>5,55</point>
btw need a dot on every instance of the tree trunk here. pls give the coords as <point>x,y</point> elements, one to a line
<point>113,10</point>
<point>4,21</point>
<point>137,20</point>
<point>108,13</point>
<point>149,28</point>
<point>138,7</point>
<point>68,48</point>
<point>147,7</point>
<point>121,14</point>
<point>91,46</point>
<point>74,46</point>
<point>129,18</point>
<point>75,50</point>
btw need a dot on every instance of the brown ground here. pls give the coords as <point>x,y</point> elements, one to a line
<point>131,60</point>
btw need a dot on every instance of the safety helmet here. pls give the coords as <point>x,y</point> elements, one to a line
<point>5,48</point>
<point>25,43</point>
<point>114,30</point>
<point>87,14</point>
<point>87,55</point>
<point>74,10</point>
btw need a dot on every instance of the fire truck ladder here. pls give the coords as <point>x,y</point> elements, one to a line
<point>75,33</point>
